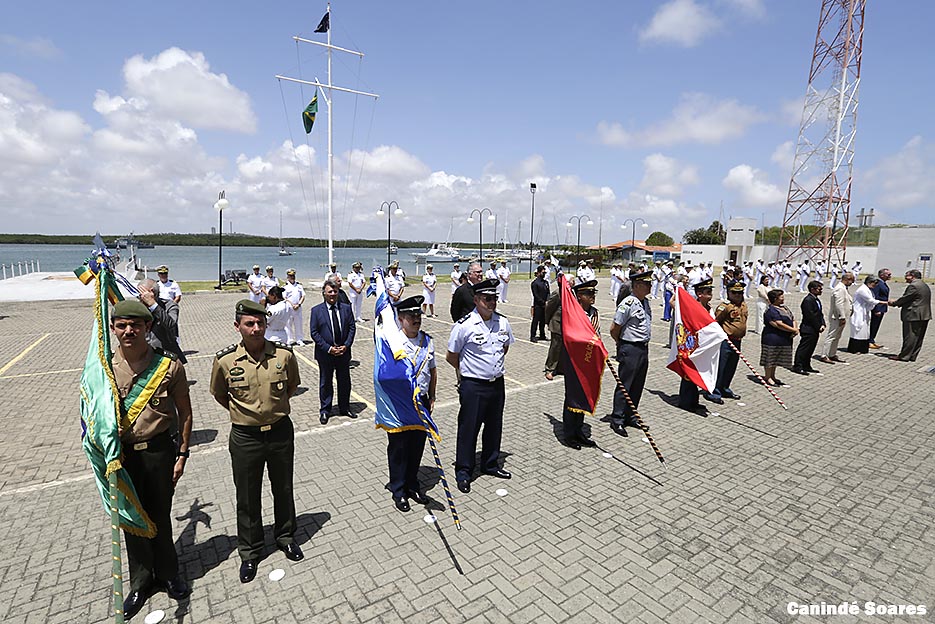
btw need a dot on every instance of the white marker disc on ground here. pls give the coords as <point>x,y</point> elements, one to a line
<point>715,413</point>
<point>742,404</point>
<point>155,617</point>
<point>501,492</point>
<point>646,440</point>
<point>609,455</point>
<point>277,575</point>
<point>429,519</point>
<point>819,374</point>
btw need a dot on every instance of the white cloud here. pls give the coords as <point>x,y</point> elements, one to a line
<point>34,47</point>
<point>750,8</point>
<point>784,157</point>
<point>698,118</point>
<point>752,187</point>
<point>903,180</point>
<point>665,176</point>
<point>790,111</point>
<point>180,85</point>
<point>680,22</point>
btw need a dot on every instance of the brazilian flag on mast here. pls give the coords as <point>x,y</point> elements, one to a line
<point>308,115</point>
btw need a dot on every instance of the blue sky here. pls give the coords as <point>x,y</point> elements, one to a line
<point>122,116</point>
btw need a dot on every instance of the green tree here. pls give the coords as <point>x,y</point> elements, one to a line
<point>659,239</point>
<point>703,236</point>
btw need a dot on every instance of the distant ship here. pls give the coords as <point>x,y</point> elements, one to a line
<point>439,252</point>
<point>129,241</point>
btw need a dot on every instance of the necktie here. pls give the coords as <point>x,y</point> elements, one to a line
<point>335,325</point>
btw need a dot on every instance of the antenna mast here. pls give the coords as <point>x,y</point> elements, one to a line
<point>820,187</point>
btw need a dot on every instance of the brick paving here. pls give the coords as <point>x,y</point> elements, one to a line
<point>832,500</point>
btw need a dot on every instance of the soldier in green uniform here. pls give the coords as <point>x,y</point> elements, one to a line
<point>253,380</point>
<point>155,402</point>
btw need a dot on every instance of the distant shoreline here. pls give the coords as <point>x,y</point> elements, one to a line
<point>205,240</point>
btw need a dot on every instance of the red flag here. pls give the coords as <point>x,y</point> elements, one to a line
<point>696,344</point>
<point>585,351</point>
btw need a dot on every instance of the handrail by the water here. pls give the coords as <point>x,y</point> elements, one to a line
<point>24,267</point>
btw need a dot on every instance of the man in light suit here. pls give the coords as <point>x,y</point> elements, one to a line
<point>916,304</point>
<point>164,333</point>
<point>332,328</point>
<point>813,324</point>
<point>841,305</point>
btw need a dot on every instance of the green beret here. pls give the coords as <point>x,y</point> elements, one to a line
<point>131,308</point>
<point>245,306</point>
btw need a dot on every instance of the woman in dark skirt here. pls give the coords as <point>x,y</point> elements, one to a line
<point>776,340</point>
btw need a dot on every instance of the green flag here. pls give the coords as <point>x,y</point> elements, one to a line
<point>308,115</point>
<point>100,410</point>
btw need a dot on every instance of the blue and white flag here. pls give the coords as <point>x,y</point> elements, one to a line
<point>399,407</point>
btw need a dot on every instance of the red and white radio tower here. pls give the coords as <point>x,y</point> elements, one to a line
<point>820,188</point>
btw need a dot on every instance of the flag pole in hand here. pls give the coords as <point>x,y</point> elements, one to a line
<point>636,414</point>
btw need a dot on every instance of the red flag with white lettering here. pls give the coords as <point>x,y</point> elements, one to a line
<point>585,352</point>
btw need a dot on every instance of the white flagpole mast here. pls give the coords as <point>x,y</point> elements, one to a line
<point>329,87</point>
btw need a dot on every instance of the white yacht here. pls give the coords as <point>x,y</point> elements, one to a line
<point>439,252</point>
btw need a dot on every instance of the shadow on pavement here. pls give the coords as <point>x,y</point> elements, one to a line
<point>203,436</point>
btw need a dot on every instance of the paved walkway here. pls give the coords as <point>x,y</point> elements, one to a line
<point>830,501</point>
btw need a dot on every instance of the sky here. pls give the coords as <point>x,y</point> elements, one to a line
<point>124,117</point>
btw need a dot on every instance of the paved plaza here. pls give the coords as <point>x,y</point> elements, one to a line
<point>830,501</point>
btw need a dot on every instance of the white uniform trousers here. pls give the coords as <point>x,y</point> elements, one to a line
<point>296,325</point>
<point>357,302</point>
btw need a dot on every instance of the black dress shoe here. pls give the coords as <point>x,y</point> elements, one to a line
<point>134,602</point>
<point>585,441</point>
<point>292,552</point>
<point>542,338</point>
<point>464,486</point>
<point>571,443</point>
<point>619,429</point>
<point>402,504</point>
<point>811,370</point>
<point>533,339</point>
<point>800,371</point>
<point>178,588</point>
<point>248,570</point>
<point>500,473</point>
<point>323,418</point>
<point>730,395</point>
<point>417,498</point>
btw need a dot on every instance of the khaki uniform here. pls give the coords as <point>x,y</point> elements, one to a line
<point>261,437</point>
<point>149,458</point>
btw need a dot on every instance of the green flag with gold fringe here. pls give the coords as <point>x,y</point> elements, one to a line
<point>308,115</point>
<point>101,416</point>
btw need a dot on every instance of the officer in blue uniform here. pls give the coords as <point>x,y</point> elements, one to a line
<point>477,348</point>
<point>404,448</point>
<point>631,330</point>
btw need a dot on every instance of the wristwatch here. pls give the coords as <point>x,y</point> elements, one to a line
<point>185,454</point>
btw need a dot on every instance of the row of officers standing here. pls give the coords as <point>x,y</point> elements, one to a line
<point>253,380</point>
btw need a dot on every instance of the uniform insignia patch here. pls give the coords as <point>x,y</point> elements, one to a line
<point>236,371</point>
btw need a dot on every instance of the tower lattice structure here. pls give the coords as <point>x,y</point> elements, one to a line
<point>820,186</point>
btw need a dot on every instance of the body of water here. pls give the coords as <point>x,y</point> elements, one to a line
<point>201,263</point>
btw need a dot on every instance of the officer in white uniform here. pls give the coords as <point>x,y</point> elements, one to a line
<point>429,283</point>
<point>477,348</point>
<point>279,313</point>
<point>269,281</point>
<point>455,277</point>
<point>587,273</point>
<point>503,275</point>
<point>394,283</point>
<point>255,284</point>
<point>357,294</point>
<point>333,272</point>
<point>295,296</point>
<point>168,289</point>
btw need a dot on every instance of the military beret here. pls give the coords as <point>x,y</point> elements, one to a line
<point>705,283</point>
<point>485,287</point>
<point>410,304</point>
<point>290,272</point>
<point>162,269</point>
<point>645,276</point>
<point>245,306</point>
<point>590,285</point>
<point>131,308</point>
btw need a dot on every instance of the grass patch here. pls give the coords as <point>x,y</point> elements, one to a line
<point>190,287</point>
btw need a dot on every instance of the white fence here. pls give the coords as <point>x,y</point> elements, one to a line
<point>21,267</point>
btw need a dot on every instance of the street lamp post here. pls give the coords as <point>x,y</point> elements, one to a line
<point>480,225</point>
<point>389,219</point>
<point>577,219</point>
<point>220,205</point>
<point>633,233</point>
<point>532,223</point>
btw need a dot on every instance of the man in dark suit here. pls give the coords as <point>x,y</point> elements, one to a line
<point>462,301</point>
<point>332,328</point>
<point>916,304</point>
<point>813,323</point>
<point>164,333</point>
<point>540,294</point>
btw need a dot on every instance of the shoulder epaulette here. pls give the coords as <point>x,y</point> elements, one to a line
<point>226,350</point>
<point>464,318</point>
<point>629,299</point>
<point>282,345</point>
<point>165,353</point>
<point>500,314</point>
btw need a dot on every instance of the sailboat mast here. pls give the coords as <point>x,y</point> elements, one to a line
<point>330,150</point>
